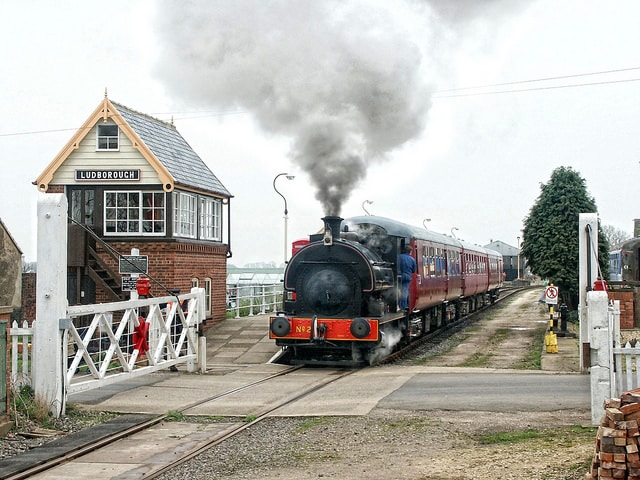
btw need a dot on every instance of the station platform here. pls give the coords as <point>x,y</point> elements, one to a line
<point>239,341</point>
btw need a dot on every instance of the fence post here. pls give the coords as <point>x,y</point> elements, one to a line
<point>614,339</point>
<point>51,302</point>
<point>600,372</point>
<point>201,362</point>
<point>251,289</point>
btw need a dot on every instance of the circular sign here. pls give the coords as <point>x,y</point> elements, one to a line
<point>551,294</point>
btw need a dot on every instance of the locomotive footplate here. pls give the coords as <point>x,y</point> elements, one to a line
<point>393,316</point>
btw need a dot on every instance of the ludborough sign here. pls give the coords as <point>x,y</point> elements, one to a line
<point>107,175</point>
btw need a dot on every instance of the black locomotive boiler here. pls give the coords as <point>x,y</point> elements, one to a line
<point>342,289</point>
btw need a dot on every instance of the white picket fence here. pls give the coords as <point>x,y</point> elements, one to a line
<point>625,359</point>
<point>20,345</point>
<point>626,371</point>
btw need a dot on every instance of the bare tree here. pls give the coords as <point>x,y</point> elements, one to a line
<point>615,236</point>
<point>28,267</point>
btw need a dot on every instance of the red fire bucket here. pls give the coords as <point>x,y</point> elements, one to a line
<point>142,286</point>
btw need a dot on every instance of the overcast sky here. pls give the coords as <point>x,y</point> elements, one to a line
<point>362,100</point>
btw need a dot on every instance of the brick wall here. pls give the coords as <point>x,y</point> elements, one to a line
<point>55,189</point>
<point>626,308</point>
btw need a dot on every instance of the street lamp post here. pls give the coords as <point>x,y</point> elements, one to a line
<point>286,211</point>
<point>453,229</point>
<point>366,202</point>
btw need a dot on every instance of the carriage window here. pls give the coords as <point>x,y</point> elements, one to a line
<point>432,261</point>
<point>425,262</point>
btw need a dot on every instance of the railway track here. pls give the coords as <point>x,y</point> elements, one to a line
<point>29,467</point>
<point>142,422</point>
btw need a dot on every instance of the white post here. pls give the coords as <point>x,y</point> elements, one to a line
<point>586,221</point>
<point>286,253</point>
<point>201,363</point>
<point>133,295</point>
<point>51,302</point>
<point>600,372</point>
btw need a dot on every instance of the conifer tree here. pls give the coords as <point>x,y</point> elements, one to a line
<point>550,235</point>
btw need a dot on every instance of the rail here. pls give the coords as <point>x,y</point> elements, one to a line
<point>253,299</point>
<point>159,465</point>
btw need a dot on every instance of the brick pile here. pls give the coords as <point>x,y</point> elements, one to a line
<point>617,443</point>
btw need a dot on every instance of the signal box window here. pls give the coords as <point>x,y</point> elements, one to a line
<point>108,137</point>
<point>134,213</point>
<point>210,219</point>
<point>82,201</point>
<point>185,211</point>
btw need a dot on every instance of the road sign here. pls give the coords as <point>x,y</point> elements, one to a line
<point>129,284</point>
<point>134,264</point>
<point>551,295</point>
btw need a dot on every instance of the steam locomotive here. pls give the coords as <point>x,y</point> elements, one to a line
<point>342,290</point>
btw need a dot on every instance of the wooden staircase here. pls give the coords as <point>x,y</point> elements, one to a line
<point>104,276</point>
<point>82,255</point>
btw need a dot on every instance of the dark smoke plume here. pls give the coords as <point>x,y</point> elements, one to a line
<point>343,80</point>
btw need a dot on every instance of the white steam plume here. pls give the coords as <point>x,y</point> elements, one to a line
<point>343,80</point>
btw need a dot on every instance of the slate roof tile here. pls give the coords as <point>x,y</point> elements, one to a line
<point>173,151</point>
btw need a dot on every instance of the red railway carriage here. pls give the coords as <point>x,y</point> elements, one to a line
<point>298,244</point>
<point>342,289</point>
<point>482,270</point>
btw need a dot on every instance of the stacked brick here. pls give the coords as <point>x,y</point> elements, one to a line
<point>617,453</point>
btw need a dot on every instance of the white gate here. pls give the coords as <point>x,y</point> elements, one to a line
<point>109,342</point>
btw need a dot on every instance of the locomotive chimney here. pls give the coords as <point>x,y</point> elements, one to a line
<point>331,229</point>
